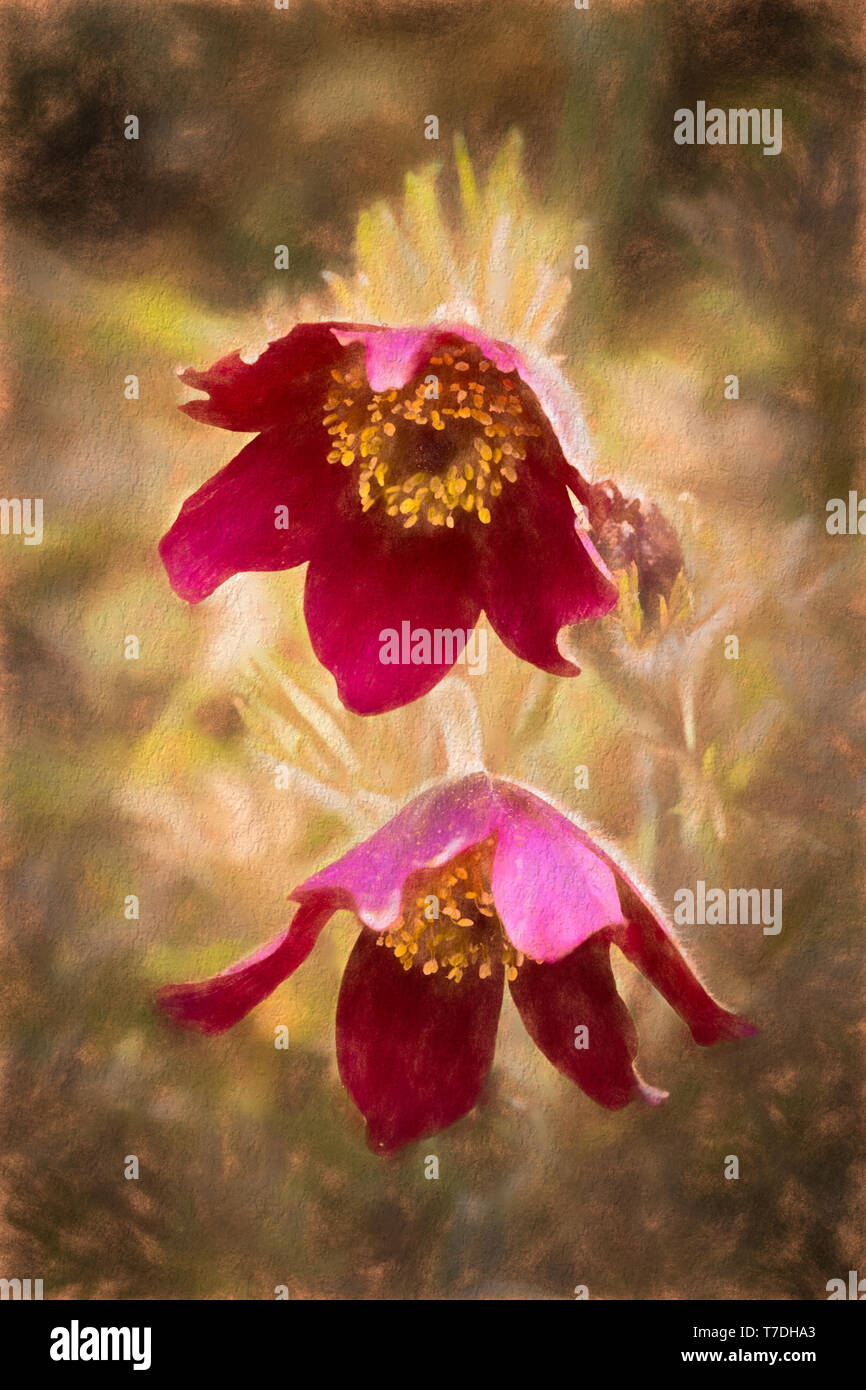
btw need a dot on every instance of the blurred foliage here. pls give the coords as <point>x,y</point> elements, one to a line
<point>156,777</point>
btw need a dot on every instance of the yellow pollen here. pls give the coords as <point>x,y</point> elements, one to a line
<point>416,451</point>
<point>450,923</point>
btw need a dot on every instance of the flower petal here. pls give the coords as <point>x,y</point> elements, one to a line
<point>551,886</point>
<point>363,582</point>
<point>285,385</point>
<point>648,945</point>
<point>212,1006</point>
<point>580,992</point>
<point>430,830</point>
<point>538,572</point>
<point>413,1050</point>
<point>229,525</point>
<point>563,408</point>
<point>394,355</point>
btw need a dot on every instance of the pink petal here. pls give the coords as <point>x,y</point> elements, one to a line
<point>648,944</point>
<point>434,827</point>
<point>395,355</point>
<point>285,385</point>
<point>413,1050</point>
<point>364,581</point>
<point>212,1006</point>
<point>552,887</point>
<point>229,525</point>
<point>538,572</point>
<point>579,991</point>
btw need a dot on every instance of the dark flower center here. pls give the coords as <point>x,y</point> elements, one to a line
<point>439,448</point>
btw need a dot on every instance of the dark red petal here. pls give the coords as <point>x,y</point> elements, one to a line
<point>538,572</point>
<point>229,525</point>
<point>413,1050</point>
<point>212,1006</point>
<point>648,946</point>
<point>284,386</point>
<point>554,1000</point>
<point>364,581</point>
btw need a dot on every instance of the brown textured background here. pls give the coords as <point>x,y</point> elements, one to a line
<point>155,777</point>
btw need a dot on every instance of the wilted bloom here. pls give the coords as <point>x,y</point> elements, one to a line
<point>628,532</point>
<point>418,474</point>
<point>474,882</point>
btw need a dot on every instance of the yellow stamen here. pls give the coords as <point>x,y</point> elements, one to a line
<point>449,922</point>
<point>384,436</point>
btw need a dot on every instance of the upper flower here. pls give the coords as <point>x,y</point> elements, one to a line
<point>417,472</point>
<point>473,882</point>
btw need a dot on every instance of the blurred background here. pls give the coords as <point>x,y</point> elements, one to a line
<point>155,777</point>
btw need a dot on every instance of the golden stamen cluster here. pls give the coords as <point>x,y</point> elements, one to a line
<point>462,398</point>
<point>451,922</point>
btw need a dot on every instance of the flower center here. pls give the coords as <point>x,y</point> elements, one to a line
<point>441,446</point>
<point>450,921</point>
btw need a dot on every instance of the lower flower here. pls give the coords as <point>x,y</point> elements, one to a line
<point>475,882</point>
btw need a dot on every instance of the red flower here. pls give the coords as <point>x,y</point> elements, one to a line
<point>473,882</point>
<point>423,482</point>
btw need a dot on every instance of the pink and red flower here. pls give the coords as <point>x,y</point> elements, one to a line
<point>423,482</point>
<point>474,882</point>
